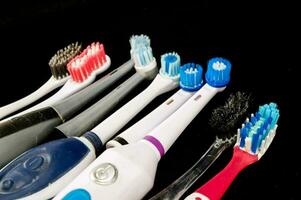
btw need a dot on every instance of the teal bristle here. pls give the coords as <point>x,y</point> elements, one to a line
<point>170,65</point>
<point>136,41</point>
<point>259,127</point>
<point>143,56</point>
<point>191,77</point>
<point>218,72</point>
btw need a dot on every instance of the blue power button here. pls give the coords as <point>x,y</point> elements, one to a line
<point>78,194</point>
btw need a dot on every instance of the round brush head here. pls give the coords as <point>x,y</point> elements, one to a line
<point>170,65</point>
<point>225,119</point>
<point>91,59</point>
<point>58,62</point>
<point>191,77</point>
<point>218,72</point>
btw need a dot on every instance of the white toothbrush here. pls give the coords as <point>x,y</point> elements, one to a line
<point>190,82</point>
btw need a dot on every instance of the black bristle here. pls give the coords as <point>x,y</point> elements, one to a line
<point>226,119</point>
<point>58,63</point>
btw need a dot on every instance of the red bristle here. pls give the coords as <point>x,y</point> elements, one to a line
<point>83,65</point>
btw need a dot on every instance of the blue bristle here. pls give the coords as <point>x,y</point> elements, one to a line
<point>259,126</point>
<point>191,77</point>
<point>143,55</point>
<point>257,115</point>
<point>170,65</point>
<point>254,144</point>
<point>218,72</point>
<point>243,136</point>
<point>253,119</point>
<point>248,125</point>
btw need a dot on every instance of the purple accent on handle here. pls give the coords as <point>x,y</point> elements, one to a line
<point>156,143</point>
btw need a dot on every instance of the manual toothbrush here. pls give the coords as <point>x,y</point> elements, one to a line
<point>223,122</point>
<point>253,140</point>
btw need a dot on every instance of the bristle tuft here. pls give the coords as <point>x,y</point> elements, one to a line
<point>191,77</point>
<point>218,72</point>
<point>225,119</point>
<point>58,63</point>
<point>143,56</point>
<point>257,133</point>
<point>170,65</point>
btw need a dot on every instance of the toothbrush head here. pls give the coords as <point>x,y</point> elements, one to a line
<point>137,41</point>
<point>145,63</point>
<point>225,119</point>
<point>191,77</point>
<point>257,133</point>
<point>58,62</point>
<point>170,66</point>
<point>90,60</point>
<point>218,72</point>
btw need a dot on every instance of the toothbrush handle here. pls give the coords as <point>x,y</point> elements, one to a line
<point>153,119</point>
<point>47,87</point>
<point>175,190</point>
<point>94,114</point>
<point>169,130</point>
<point>215,188</point>
<point>110,126</point>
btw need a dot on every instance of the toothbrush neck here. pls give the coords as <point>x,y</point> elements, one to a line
<point>218,185</point>
<point>161,85</point>
<point>169,130</point>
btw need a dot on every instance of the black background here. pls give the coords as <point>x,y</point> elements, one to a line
<point>259,39</point>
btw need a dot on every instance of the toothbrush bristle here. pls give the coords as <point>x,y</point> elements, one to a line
<point>225,119</point>
<point>58,62</point>
<point>218,72</point>
<point>136,41</point>
<point>143,56</point>
<point>191,77</point>
<point>170,65</point>
<point>257,133</point>
<point>91,59</point>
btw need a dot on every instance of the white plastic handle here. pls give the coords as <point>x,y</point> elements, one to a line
<point>153,119</point>
<point>47,87</point>
<point>122,116</point>
<point>125,172</point>
<point>169,130</point>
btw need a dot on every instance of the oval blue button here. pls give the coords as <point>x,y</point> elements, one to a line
<point>34,163</point>
<point>78,194</point>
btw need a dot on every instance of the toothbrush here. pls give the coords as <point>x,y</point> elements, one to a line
<point>190,82</point>
<point>59,76</point>
<point>253,139</point>
<point>223,122</point>
<point>36,126</point>
<point>128,172</point>
<point>57,173</point>
<point>83,70</point>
